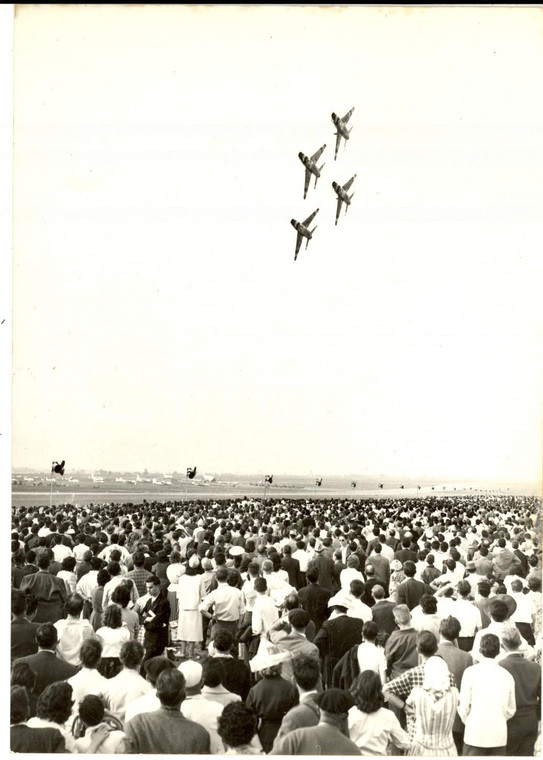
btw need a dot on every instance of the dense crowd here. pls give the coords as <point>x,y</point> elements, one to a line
<point>282,627</point>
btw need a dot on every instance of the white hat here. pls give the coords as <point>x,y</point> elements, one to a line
<point>192,671</point>
<point>267,656</point>
<point>236,551</point>
<point>341,599</point>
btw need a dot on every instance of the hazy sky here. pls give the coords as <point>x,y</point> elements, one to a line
<point>159,318</point>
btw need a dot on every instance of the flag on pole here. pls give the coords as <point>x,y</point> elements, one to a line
<point>353,483</point>
<point>191,472</point>
<point>58,468</point>
<point>268,479</point>
<point>318,482</point>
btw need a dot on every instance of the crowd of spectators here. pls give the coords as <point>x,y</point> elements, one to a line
<point>292,626</point>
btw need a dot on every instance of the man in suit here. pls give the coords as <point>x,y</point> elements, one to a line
<point>314,598</point>
<point>411,591</point>
<point>23,632</point>
<point>522,727</point>
<point>49,590</point>
<point>337,635</point>
<point>306,677</point>
<point>457,662</point>
<point>381,565</point>
<point>156,615</point>
<point>382,610</point>
<point>46,665</point>
<point>326,568</point>
<point>405,553</point>
<point>292,566</point>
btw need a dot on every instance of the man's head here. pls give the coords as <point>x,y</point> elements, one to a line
<point>356,588</point>
<point>299,619</point>
<point>402,615</point>
<point>18,602</point>
<point>498,610</point>
<point>334,705</point>
<point>74,605</point>
<point>510,638</point>
<point>131,654</point>
<point>152,586</point>
<point>261,585</point>
<point>490,646</point>
<point>155,666</point>
<point>223,641</point>
<point>47,636</point>
<point>428,604</point>
<point>378,592</point>
<point>464,589</point>
<point>313,575</point>
<point>426,644</point>
<point>170,688</point>
<point>409,568</point>
<point>222,574</point>
<point>213,672</point>
<point>449,628</point>
<point>90,653</point>
<point>306,672</point>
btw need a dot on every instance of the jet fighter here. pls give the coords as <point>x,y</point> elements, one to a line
<point>302,228</point>
<point>341,126</point>
<point>342,197</point>
<point>311,167</point>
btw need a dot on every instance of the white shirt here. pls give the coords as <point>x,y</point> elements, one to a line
<point>359,610</point>
<point>348,575</point>
<point>123,689</point>
<point>206,713</point>
<point>371,657</point>
<point>146,703</point>
<point>265,614</point>
<point>523,613</point>
<point>87,681</point>
<point>469,617</point>
<point>60,552</point>
<point>487,702</point>
<point>71,634</point>
<point>525,649</point>
<point>303,558</point>
<point>87,584</point>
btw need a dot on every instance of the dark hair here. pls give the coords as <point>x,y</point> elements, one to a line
<point>121,595</point>
<point>19,707</point>
<point>489,645</point>
<point>370,630</point>
<point>426,643</point>
<point>170,687</point>
<point>131,653</point>
<point>43,561</point>
<point>237,724</point>
<point>18,602</point>
<point>223,640</point>
<point>23,675</point>
<point>260,585</point>
<point>55,702</point>
<point>499,610</point>
<point>90,653</point>
<point>47,636</point>
<point>113,616</point>
<point>91,710</point>
<point>306,671</point>
<point>213,672</point>
<point>428,604</point>
<point>409,568</point>
<point>74,604</point>
<point>68,563</point>
<point>450,628</point>
<point>103,577</point>
<point>221,574</point>
<point>367,692</point>
<point>138,558</point>
<point>313,574</point>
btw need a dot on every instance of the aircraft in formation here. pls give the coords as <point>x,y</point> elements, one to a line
<point>312,169</point>
<point>302,228</point>
<point>341,127</point>
<point>342,195</point>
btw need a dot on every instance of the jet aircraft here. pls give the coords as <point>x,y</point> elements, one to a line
<point>341,127</point>
<point>311,167</point>
<point>342,196</point>
<point>302,228</point>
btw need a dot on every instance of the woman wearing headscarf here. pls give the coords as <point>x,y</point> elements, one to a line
<point>434,705</point>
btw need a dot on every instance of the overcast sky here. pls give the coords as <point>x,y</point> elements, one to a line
<point>159,318</point>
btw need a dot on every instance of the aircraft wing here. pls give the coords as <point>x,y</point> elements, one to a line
<point>339,204</point>
<point>310,218</point>
<point>347,116</point>
<point>298,244</point>
<point>347,185</point>
<point>318,154</point>
<point>306,183</point>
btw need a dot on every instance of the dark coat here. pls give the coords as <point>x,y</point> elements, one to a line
<point>23,638</point>
<point>411,591</point>
<point>48,669</point>
<point>382,616</point>
<point>334,639</point>
<point>314,599</point>
<point>346,670</point>
<point>157,629</point>
<point>50,592</point>
<point>292,566</point>
<point>271,698</point>
<point>36,740</point>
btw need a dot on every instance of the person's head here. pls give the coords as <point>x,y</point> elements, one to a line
<point>55,703</point>
<point>299,619</point>
<point>534,583</point>
<point>267,566</point>
<point>23,675</point>
<point>370,571</point>
<point>18,602</point>
<point>367,692</point>
<point>510,638</point>
<point>306,672</point>
<point>402,615</point>
<point>193,674</point>
<point>155,666</point>
<point>68,564</point>
<point>430,559</point>
<point>409,568</point>
<point>43,560</point>
<point>489,646</point>
<point>91,710</point>
<point>152,585</point>
<point>90,653</point>
<point>74,605</point>
<point>213,672</point>
<point>114,568</point>
<point>103,577</point>
<point>131,654</point>
<point>113,616</point>
<point>464,589</point>
<point>47,636</point>
<point>498,610</point>
<point>428,604</point>
<point>170,688</point>
<point>353,562</point>
<point>138,559</point>
<point>436,675</point>
<point>516,586</point>
<point>483,589</point>
<point>19,707</point>
<point>223,641</point>
<point>236,725</point>
<point>334,705</point>
<point>121,595</point>
<point>370,631</point>
<point>312,574</point>
<point>449,628</point>
<point>426,643</point>
<point>378,592</point>
<point>261,585</point>
<point>222,574</point>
